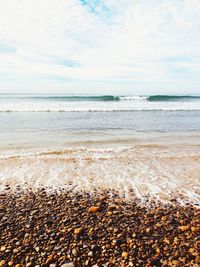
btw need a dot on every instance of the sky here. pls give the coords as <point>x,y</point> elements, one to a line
<point>100,46</point>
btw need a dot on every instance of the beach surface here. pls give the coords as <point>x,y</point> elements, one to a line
<point>69,229</point>
<point>101,204</point>
<point>99,181</point>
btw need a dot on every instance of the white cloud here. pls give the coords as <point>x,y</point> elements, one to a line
<point>117,41</point>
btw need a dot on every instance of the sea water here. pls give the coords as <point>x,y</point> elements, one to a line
<point>146,144</point>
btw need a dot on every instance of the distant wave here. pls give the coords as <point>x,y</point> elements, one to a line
<point>83,103</point>
<point>104,98</point>
<point>171,97</point>
<point>84,98</point>
<point>65,97</point>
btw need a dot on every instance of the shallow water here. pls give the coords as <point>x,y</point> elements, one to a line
<point>152,153</point>
<point>158,171</point>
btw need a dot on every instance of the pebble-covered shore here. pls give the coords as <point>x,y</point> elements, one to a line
<point>79,229</point>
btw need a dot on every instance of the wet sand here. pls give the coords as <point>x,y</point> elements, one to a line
<point>158,171</point>
<point>67,228</point>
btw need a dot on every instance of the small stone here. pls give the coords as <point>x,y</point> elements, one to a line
<point>175,262</point>
<point>184,227</point>
<point>49,259</point>
<point>87,262</point>
<point>102,198</point>
<point>74,252</point>
<point>112,207</point>
<point>78,230</point>
<point>93,209</point>
<point>2,263</point>
<point>52,265</point>
<point>124,254</point>
<point>134,235</point>
<point>166,241</point>
<point>90,254</point>
<point>158,250</point>
<point>11,263</point>
<point>148,230</point>
<point>194,229</point>
<point>69,264</point>
<point>3,248</point>
<point>37,249</point>
<point>176,240</point>
<point>164,218</point>
<point>15,250</point>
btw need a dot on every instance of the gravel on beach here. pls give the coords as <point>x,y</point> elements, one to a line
<point>70,229</point>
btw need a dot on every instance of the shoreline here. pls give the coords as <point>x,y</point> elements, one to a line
<point>56,228</point>
<point>154,171</point>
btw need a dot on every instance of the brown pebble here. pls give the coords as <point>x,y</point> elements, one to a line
<point>74,252</point>
<point>167,241</point>
<point>3,248</point>
<point>158,250</point>
<point>78,230</point>
<point>93,209</point>
<point>102,198</point>
<point>175,262</point>
<point>184,227</point>
<point>124,254</point>
<point>2,263</point>
<point>111,207</point>
<point>194,229</point>
<point>69,264</point>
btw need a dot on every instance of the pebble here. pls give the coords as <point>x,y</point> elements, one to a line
<point>74,252</point>
<point>69,264</point>
<point>2,263</point>
<point>90,254</point>
<point>3,248</point>
<point>184,227</point>
<point>94,209</point>
<point>37,249</point>
<point>124,254</point>
<point>78,230</point>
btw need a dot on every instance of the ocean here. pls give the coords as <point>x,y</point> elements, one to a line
<point>146,144</point>
<point>69,103</point>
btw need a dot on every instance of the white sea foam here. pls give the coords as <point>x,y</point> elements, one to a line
<point>156,171</point>
<point>61,106</point>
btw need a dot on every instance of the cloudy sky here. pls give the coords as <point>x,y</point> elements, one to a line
<point>100,46</point>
